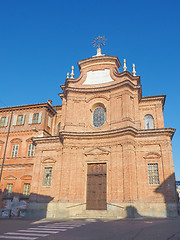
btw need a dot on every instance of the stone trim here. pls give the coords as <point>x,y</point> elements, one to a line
<point>103,88</point>
<point>122,131</point>
<point>19,164</point>
<point>162,98</point>
<point>97,150</point>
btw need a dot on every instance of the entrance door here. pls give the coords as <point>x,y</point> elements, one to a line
<point>96,186</point>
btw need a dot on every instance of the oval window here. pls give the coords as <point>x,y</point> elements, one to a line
<point>99,117</point>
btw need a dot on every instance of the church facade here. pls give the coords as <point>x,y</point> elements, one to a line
<point>103,153</point>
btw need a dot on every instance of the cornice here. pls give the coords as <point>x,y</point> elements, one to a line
<point>57,107</point>
<point>25,107</point>
<point>104,88</point>
<point>29,132</point>
<point>116,132</point>
<point>127,73</point>
<point>18,164</point>
<point>46,139</point>
<point>162,98</point>
<point>99,59</point>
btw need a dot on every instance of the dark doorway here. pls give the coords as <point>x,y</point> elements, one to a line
<point>96,186</point>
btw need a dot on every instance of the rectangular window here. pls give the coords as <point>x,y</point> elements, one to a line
<point>47,176</point>
<point>153,173</point>
<point>35,118</point>
<point>15,151</point>
<point>26,189</point>
<point>9,188</point>
<point>4,122</point>
<point>31,150</point>
<point>20,120</point>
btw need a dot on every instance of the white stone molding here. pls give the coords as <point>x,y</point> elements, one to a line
<point>72,72</point>
<point>134,71</point>
<point>98,77</point>
<point>124,67</point>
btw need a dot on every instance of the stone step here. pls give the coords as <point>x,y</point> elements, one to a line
<point>79,216</point>
<point>95,214</point>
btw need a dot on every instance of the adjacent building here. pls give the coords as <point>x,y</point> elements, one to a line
<point>103,152</point>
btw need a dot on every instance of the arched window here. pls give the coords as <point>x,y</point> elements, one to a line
<point>99,116</point>
<point>148,122</point>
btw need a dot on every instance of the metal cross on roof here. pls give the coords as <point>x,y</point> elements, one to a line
<point>99,41</point>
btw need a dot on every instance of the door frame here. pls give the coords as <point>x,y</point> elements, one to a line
<point>86,182</point>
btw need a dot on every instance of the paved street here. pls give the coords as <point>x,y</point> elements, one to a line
<point>137,229</point>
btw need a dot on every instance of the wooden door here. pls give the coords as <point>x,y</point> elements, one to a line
<point>96,186</point>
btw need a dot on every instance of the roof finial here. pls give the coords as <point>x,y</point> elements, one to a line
<point>134,71</point>
<point>98,42</point>
<point>124,68</point>
<point>67,75</point>
<point>72,72</point>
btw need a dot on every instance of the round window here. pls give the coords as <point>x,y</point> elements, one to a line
<point>99,117</point>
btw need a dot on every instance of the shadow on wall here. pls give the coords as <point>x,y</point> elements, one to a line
<point>131,212</point>
<point>168,190</point>
<point>19,205</point>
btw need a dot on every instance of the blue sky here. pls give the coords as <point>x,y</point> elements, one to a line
<point>41,39</point>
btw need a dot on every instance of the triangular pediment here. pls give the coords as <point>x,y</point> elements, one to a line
<point>97,151</point>
<point>10,177</point>
<point>1,142</point>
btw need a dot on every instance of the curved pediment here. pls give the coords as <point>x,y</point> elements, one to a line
<point>97,151</point>
<point>16,140</point>
<point>48,160</point>
<point>26,177</point>
<point>152,155</point>
<point>98,96</point>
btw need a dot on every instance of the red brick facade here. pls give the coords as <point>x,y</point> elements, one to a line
<point>126,137</point>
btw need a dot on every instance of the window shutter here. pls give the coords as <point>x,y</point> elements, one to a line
<point>23,119</point>
<point>49,121</point>
<point>6,121</point>
<point>14,120</point>
<point>30,118</point>
<point>39,118</point>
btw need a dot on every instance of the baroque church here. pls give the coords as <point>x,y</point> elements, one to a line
<point>103,153</point>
